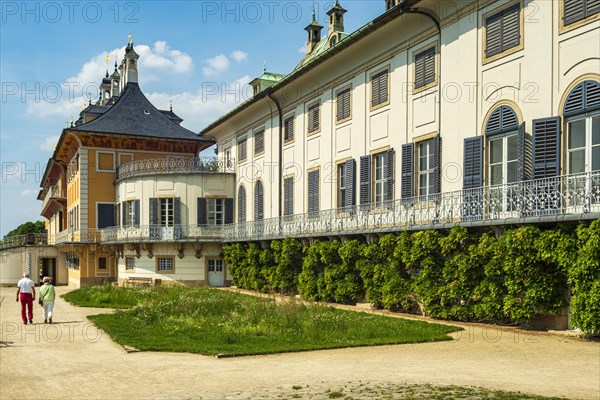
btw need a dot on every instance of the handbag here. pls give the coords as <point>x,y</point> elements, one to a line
<point>41,302</point>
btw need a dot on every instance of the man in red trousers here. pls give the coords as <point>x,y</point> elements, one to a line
<point>26,293</point>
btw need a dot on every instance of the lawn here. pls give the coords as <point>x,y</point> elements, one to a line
<point>217,322</point>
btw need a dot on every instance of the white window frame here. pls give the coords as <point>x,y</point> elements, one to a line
<point>380,173</point>
<point>588,147</point>
<point>127,266</point>
<point>217,265</point>
<point>505,161</point>
<point>342,185</point>
<point>213,214</point>
<point>166,211</point>
<point>428,172</point>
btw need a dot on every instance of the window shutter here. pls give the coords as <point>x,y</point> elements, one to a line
<point>124,213</point>
<point>288,129</point>
<point>313,117</point>
<point>592,7</point>
<point>389,179</point>
<point>437,167</point>
<point>153,211</point>
<point>419,71</point>
<point>313,191</point>
<point>228,211</point>
<point>288,196</point>
<point>408,151</point>
<point>258,201</point>
<point>177,211</point>
<point>574,10</point>
<point>379,88</point>
<point>429,66</point>
<point>511,27</point>
<point>365,180</point>
<point>137,213</point>
<point>242,204</point>
<point>502,119</point>
<point>546,147</point>
<point>350,171</point>
<point>592,92</point>
<point>343,104</point>
<point>202,211</point>
<point>473,163</point>
<point>106,215</point>
<point>425,68</point>
<point>493,35</point>
<point>524,154</point>
<point>259,142</point>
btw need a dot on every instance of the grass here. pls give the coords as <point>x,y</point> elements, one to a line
<point>217,322</point>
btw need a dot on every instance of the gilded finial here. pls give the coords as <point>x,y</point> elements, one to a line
<point>129,38</point>
<point>71,121</point>
<point>171,104</point>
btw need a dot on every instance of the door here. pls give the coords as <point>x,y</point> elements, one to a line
<point>216,273</point>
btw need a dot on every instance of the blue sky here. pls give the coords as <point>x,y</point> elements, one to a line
<point>52,56</point>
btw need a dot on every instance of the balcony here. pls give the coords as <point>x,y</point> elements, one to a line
<point>37,239</point>
<point>166,166</point>
<point>156,233</point>
<point>565,198</point>
<point>55,200</point>
<point>76,237</point>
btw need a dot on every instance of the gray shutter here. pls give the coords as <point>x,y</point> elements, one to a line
<point>419,71</point>
<point>437,168</point>
<point>574,10</point>
<point>524,154</point>
<point>502,119</point>
<point>365,180</point>
<point>473,163</point>
<point>124,213</point>
<point>202,212</point>
<point>137,213</point>
<point>313,117</point>
<point>493,35</point>
<point>343,105</point>
<point>583,98</point>
<point>177,211</point>
<point>242,204</point>
<point>228,211</point>
<point>592,7</point>
<point>153,211</point>
<point>408,151</point>
<point>313,191</point>
<point>258,201</point>
<point>389,179</point>
<point>511,27</point>
<point>379,88</point>
<point>106,215</point>
<point>429,60</point>
<point>288,196</point>
<point>288,129</point>
<point>259,142</point>
<point>546,147</point>
<point>350,172</point>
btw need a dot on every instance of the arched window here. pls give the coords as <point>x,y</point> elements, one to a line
<point>501,133</point>
<point>242,204</point>
<point>258,201</point>
<point>582,114</point>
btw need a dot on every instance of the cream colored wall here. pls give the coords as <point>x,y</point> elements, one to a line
<point>188,268</point>
<point>535,79</point>
<point>188,187</point>
<point>14,262</point>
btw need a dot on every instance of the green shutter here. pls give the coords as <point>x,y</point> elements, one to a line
<point>202,211</point>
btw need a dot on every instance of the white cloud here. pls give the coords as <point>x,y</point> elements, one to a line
<point>29,192</point>
<point>65,99</point>
<point>49,143</point>
<point>239,55</point>
<point>216,64</point>
<point>302,50</point>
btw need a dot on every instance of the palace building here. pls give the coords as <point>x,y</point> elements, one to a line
<point>434,114</point>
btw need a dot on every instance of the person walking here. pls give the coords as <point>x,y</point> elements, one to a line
<point>26,294</point>
<point>47,296</point>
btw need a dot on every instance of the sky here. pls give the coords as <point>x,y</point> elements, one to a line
<point>199,54</point>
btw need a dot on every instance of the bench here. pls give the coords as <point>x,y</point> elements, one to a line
<point>138,280</point>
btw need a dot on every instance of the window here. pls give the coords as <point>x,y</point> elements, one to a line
<point>503,30</point>
<point>343,105</point>
<point>259,142</point>
<point>228,161</point>
<point>379,88</point>
<point>313,191</point>
<point>583,143</point>
<point>313,118</point>
<point>129,263</point>
<point>342,186</point>
<point>102,263</point>
<point>165,264</point>
<point>216,211</point>
<point>425,68</point>
<point>241,148</point>
<point>258,201</point>
<point>425,168</point>
<point>380,176</point>
<point>577,10</point>
<point>215,265</point>
<point>166,210</point>
<point>503,159</point>
<point>288,196</point>
<point>73,262</point>
<point>242,204</point>
<point>131,213</point>
<point>288,129</point>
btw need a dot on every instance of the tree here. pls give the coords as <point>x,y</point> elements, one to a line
<point>27,228</point>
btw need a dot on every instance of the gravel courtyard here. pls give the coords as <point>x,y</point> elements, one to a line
<point>72,359</point>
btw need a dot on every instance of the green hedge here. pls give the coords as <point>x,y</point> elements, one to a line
<point>457,275</point>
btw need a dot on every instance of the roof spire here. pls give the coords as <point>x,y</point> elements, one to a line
<point>129,38</point>
<point>171,104</point>
<point>314,14</point>
<point>107,59</point>
<point>264,67</point>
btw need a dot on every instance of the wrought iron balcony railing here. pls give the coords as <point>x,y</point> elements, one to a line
<point>174,166</point>
<point>34,239</point>
<point>157,233</point>
<point>55,192</point>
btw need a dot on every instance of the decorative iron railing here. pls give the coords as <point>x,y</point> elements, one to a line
<point>34,239</point>
<point>572,197</point>
<point>174,166</point>
<point>54,192</point>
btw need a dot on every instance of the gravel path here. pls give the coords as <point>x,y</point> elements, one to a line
<point>72,359</point>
